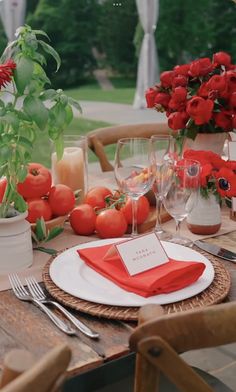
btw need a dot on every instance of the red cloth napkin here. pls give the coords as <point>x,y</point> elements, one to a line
<point>172,276</point>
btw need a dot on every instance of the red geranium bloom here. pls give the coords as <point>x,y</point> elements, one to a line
<point>150,97</point>
<point>200,110</point>
<point>162,99</point>
<point>200,67</point>
<point>224,120</point>
<point>181,69</point>
<point>179,80</point>
<point>177,120</point>
<point>234,121</point>
<point>6,72</point>
<point>222,58</point>
<point>226,182</point>
<point>217,82</point>
<point>166,78</point>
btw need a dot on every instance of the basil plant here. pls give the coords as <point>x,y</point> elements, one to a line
<point>33,107</point>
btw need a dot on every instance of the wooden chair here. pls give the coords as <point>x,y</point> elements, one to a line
<point>160,338</point>
<point>99,138</point>
<point>22,374</point>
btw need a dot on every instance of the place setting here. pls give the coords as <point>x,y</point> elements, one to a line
<point>139,269</point>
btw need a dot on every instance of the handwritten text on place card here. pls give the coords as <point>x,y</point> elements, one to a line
<point>142,253</point>
<point>232,150</point>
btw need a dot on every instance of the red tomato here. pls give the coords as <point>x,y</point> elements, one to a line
<point>111,223</point>
<point>37,182</point>
<point>38,208</point>
<point>61,199</point>
<point>143,210</point>
<point>96,197</point>
<point>3,184</point>
<point>82,219</point>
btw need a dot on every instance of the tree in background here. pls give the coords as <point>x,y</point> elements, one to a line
<point>192,29</point>
<point>116,28</point>
<point>72,28</point>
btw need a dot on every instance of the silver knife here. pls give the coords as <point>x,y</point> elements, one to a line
<point>216,250</point>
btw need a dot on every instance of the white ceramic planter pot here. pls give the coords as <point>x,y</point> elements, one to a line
<point>207,142</point>
<point>205,218</point>
<point>16,251</point>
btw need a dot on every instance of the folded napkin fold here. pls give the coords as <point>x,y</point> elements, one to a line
<point>171,276</point>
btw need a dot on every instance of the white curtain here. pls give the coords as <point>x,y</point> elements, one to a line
<point>12,14</point>
<point>148,69</point>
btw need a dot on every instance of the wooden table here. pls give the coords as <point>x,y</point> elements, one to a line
<point>22,325</point>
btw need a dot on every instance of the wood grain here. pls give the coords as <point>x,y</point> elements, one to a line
<point>22,325</point>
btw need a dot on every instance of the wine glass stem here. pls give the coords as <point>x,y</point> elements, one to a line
<point>134,216</point>
<point>158,227</point>
<point>177,228</point>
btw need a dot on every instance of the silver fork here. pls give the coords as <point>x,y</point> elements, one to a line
<point>38,293</point>
<point>23,294</point>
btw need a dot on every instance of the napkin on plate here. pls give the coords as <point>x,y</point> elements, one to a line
<point>171,276</point>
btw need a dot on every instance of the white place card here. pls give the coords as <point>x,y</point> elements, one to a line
<point>142,253</point>
<point>232,150</point>
<point>233,205</point>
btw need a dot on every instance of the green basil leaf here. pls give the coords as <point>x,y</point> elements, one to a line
<point>23,73</point>
<point>48,94</point>
<point>75,104</point>
<point>48,49</point>
<point>40,229</point>
<point>23,141</point>
<point>41,32</point>
<point>36,110</point>
<point>54,232</point>
<point>19,203</point>
<point>46,250</point>
<point>22,173</point>
<point>69,115</point>
<point>59,144</point>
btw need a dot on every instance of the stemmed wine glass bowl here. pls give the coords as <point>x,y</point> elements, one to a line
<point>183,192</point>
<point>163,148</point>
<point>134,171</point>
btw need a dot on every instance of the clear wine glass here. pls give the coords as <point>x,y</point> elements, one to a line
<point>134,171</point>
<point>163,147</point>
<point>183,192</point>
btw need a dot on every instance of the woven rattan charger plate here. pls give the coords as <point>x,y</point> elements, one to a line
<point>214,294</point>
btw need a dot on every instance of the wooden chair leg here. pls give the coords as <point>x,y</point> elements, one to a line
<point>162,356</point>
<point>15,363</point>
<point>146,375</point>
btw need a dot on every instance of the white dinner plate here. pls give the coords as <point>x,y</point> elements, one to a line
<point>71,274</point>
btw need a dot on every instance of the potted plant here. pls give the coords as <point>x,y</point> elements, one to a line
<point>199,99</point>
<point>28,106</point>
<point>218,180</point>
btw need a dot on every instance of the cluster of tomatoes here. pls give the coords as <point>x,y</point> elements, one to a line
<point>106,213</point>
<point>43,199</point>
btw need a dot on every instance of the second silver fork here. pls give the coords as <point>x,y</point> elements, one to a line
<point>38,293</point>
<point>22,293</point>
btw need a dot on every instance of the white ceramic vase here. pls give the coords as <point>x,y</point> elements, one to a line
<point>205,218</point>
<point>16,251</point>
<point>207,142</point>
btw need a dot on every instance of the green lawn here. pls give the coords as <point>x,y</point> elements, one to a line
<point>123,92</point>
<point>43,149</point>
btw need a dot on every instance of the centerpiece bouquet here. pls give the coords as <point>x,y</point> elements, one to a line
<point>198,97</point>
